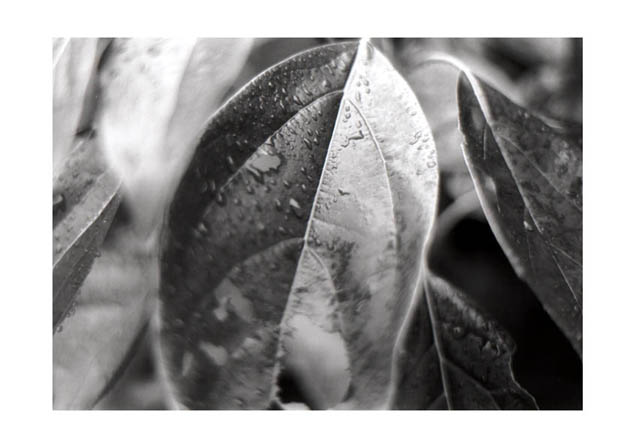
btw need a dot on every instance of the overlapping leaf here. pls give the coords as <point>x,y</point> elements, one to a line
<point>534,173</point>
<point>455,358</point>
<point>75,64</point>
<point>307,202</point>
<point>146,132</point>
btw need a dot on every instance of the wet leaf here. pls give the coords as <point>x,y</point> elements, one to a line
<point>308,199</point>
<point>156,96</point>
<point>456,358</point>
<point>75,64</point>
<point>534,174</point>
<point>85,199</point>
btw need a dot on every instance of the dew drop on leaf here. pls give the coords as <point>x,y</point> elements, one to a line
<point>458,332</point>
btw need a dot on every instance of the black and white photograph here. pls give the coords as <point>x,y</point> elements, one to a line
<point>368,223</point>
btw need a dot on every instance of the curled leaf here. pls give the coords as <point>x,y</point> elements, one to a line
<point>535,207</point>
<point>305,208</point>
<point>456,358</point>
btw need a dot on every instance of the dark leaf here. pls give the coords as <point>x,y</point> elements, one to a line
<point>455,358</point>
<point>534,175</point>
<point>304,211</point>
<point>464,252</point>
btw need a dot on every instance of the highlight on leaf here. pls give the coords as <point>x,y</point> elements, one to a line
<point>317,223</point>
<point>318,211</point>
<point>529,179</point>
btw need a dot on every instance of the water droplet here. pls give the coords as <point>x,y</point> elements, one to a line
<point>278,204</point>
<point>431,164</point>
<point>249,189</point>
<point>491,350</point>
<point>458,332</point>
<point>528,226</point>
<point>202,228</point>
<point>58,203</point>
<point>220,198</point>
<point>343,192</point>
<point>358,136</point>
<point>303,187</point>
<point>230,163</point>
<point>295,207</point>
<point>282,230</point>
<point>286,184</point>
<point>416,137</point>
<point>296,100</point>
<point>358,97</point>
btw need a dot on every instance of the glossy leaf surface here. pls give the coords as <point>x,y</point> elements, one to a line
<point>534,175</point>
<point>307,203</point>
<point>456,358</point>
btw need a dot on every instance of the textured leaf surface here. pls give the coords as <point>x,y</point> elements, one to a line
<point>85,200</point>
<point>308,200</point>
<point>534,174</point>
<point>456,358</point>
